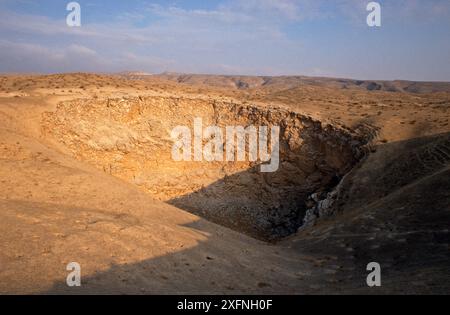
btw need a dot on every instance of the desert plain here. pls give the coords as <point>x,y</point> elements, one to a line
<point>86,176</point>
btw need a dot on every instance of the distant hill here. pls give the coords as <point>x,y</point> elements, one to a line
<point>253,82</point>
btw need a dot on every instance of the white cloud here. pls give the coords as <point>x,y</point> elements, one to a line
<point>238,36</point>
<point>24,57</point>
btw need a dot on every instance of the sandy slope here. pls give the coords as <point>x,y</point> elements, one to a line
<point>55,210</point>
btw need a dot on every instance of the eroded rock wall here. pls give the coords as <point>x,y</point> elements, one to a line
<point>130,138</point>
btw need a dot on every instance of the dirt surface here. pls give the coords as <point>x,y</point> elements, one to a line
<point>58,206</point>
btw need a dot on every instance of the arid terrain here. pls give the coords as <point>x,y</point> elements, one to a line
<point>86,176</point>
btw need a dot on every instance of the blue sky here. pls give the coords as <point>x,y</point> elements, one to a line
<point>255,37</point>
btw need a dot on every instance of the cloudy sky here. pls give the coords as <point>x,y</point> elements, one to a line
<point>256,37</point>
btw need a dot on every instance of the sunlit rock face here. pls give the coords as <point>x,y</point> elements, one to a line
<point>131,139</point>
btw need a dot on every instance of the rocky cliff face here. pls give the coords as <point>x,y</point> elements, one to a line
<point>131,139</point>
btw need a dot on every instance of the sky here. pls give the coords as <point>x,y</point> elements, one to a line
<point>247,37</point>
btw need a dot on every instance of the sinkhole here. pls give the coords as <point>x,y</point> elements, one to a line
<point>132,138</point>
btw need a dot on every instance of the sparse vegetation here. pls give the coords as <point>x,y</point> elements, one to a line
<point>61,194</point>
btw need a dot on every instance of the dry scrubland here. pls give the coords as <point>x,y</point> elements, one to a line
<point>86,176</point>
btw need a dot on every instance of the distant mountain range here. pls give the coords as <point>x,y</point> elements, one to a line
<point>287,82</point>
